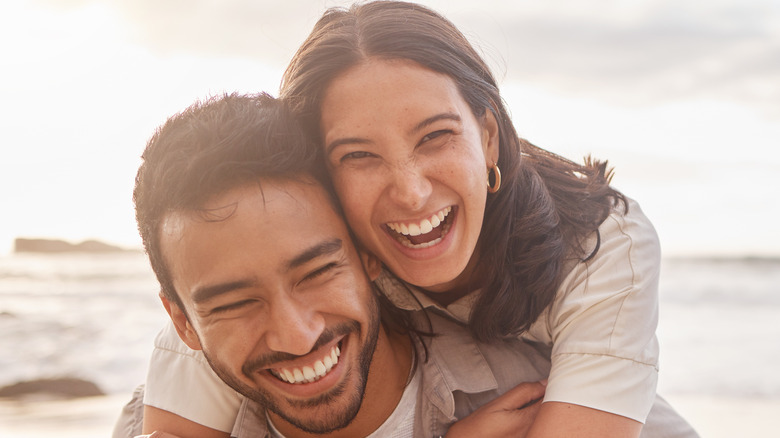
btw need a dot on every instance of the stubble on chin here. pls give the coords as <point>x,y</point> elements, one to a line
<point>317,415</point>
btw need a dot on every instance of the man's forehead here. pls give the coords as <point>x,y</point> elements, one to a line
<point>262,201</point>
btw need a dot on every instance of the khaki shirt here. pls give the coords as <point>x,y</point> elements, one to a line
<point>458,376</point>
<point>461,374</point>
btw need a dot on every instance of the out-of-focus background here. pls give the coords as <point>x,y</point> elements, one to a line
<point>682,96</point>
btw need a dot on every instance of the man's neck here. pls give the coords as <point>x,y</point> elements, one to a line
<point>387,378</point>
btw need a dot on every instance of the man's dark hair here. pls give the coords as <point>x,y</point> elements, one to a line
<point>209,148</point>
<point>214,146</point>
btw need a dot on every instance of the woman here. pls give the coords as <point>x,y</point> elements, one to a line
<point>412,125</point>
<point>489,229</point>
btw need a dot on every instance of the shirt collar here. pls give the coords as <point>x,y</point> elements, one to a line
<point>408,297</point>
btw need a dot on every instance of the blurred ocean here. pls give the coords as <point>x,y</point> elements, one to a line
<point>91,316</point>
<point>95,317</point>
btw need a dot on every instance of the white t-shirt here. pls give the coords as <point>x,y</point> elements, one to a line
<point>400,424</point>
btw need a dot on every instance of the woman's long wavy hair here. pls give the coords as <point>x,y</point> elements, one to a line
<point>547,205</point>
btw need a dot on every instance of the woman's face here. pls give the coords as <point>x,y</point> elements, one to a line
<point>409,161</point>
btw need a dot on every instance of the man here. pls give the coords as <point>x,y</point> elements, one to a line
<point>258,270</point>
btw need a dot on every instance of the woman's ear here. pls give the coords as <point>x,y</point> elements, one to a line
<point>183,327</point>
<point>371,264</point>
<point>490,137</point>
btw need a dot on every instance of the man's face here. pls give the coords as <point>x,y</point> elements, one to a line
<point>277,299</point>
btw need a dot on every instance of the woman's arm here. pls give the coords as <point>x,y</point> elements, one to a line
<point>509,415</point>
<point>519,413</point>
<point>158,420</point>
<point>556,419</point>
<point>181,381</point>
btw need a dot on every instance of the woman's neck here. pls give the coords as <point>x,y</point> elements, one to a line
<point>468,281</point>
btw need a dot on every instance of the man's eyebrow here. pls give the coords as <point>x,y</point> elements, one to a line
<point>205,293</point>
<point>321,249</point>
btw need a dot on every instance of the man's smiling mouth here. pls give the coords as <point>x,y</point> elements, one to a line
<point>423,234</point>
<point>309,373</point>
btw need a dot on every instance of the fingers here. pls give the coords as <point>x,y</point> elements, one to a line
<point>502,417</point>
<point>531,409</point>
<point>521,396</point>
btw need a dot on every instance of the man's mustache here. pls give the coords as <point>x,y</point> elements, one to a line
<point>268,359</point>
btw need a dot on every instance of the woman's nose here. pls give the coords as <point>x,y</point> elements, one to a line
<point>410,187</point>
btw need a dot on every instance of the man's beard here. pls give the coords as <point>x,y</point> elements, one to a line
<point>311,422</point>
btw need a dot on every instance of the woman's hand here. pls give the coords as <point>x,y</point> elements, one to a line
<point>510,415</point>
<point>157,435</point>
<point>156,419</point>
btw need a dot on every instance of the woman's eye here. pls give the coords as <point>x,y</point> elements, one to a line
<point>356,155</point>
<point>435,134</point>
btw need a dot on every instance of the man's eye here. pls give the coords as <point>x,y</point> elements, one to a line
<point>232,306</point>
<point>320,271</point>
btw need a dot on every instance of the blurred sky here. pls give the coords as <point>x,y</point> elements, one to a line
<point>682,96</point>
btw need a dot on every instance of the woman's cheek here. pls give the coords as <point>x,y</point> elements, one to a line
<point>353,199</point>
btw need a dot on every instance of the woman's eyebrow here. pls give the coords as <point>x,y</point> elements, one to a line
<point>433,119</point>
<point>340,141</point>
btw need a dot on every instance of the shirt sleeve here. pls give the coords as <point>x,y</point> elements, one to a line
<point>602,322</point>
<point>181,381</point>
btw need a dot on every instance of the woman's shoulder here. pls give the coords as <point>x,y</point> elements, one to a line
<point>627,232</point>
<point>625,259</point>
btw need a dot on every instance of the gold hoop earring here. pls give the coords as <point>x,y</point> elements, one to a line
<point>497,181</point>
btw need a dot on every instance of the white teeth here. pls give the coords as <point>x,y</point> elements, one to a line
<point>319,368</point>
<point>308,374</point>
<point>405,242</point>
<point>425,226</point>
<point>420,245</point>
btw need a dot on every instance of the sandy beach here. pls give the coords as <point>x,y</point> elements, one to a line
<point>94,417</point>
<point>720,417</point>
<point>89,417</point>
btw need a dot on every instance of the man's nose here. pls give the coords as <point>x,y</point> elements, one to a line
<point>294,327</point>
